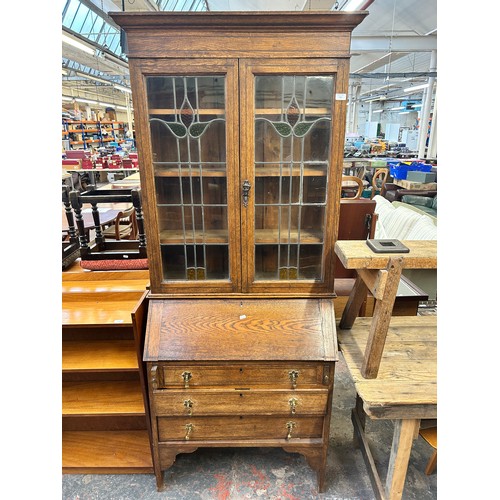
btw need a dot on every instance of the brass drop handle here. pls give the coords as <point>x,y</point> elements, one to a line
<point>187,377</point>
<point>294,375</point>
<point>188,404</point>
<point>290,426</point>
<point>189,429</point>
<point>246,189</point>
<point>293,404</point>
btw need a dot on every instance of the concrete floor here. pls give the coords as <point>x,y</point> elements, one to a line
<point>234,474</point>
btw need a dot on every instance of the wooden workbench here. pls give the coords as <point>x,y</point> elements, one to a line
<point>392,360</point>
<point>404,391</point>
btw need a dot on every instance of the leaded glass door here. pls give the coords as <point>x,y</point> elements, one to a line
<point>289,175</point>
<point>191,127</point>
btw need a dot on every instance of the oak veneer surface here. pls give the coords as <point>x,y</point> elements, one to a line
<point>92,309</point>
<point>99,355</point>
<point>76,273</point>
<point>102,397</point>
<point>406,385</point>
<point>357,255</point>
<point>106,452</point>
<point>246,329</point>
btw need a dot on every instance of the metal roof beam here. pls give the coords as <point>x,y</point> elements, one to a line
<point>393,44</point>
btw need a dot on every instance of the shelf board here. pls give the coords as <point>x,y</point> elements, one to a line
<point>106,452</point>
<point>270,236</point>
<point>175,237</point>
<point>99,309</point>
<point>220,236</point>
<point>99,355</point>
<point>207,171</point>
<point>102,398</point>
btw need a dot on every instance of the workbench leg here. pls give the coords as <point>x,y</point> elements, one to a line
<point>402,442</point>
<point>361,415</point>
<point>381,320</point>
<point>356,298</point>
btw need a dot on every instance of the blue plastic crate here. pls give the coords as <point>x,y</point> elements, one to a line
<point>400,170</point>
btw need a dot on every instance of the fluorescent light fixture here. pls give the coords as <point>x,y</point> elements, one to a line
<point>377,111</point>
<point>397,109</point>
<point>66,98</point>
<point>353,4</point>
<point>417,106</point>
<point>122,88</point>
<point>86,101</point>
<point>78,45</point>
<point>416,87</point>
<point>405,113</point>
<point>64,71</point>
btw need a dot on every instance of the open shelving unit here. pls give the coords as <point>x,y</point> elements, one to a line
<point>104,410</point>
<point>90,132</point>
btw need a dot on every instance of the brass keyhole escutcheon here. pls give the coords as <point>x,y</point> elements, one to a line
<point>186,377</point>
<point>188,404</point>
<point>293,404</point>
<point>294,375</point>
<point>189,430</point>
<point>290,426</point>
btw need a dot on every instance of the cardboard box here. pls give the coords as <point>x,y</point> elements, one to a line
<point>424,177</point>
<point>72,164</point>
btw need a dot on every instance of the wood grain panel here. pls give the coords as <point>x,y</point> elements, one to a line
<point>84,398</point>
<point>99,355</point>
<point>221,330</point>
<point>104,452</point>
<point>238,427</point>
<point>244,402</point>
<point>240,375</point>
<point>357,255</point>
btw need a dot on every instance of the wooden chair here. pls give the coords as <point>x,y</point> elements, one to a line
<point>70,245</point>
<point>430,436</point>
<point>352,187</point>
<point>112,253</point>
<point>124,227</point>
<point>378,181</point>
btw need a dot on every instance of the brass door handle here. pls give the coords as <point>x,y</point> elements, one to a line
<point>290,426</point>
<point>246,189</point>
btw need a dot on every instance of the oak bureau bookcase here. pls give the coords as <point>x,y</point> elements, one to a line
<point>240,121</point>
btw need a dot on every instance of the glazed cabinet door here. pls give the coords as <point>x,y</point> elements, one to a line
<point>189,146</point>
<point>292,150</point>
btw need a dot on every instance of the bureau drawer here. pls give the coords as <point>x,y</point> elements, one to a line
<point>240,402</point>
<point>190,429</point>
<point>280,375</point>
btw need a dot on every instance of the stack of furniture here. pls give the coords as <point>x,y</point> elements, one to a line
<point>240,121</point>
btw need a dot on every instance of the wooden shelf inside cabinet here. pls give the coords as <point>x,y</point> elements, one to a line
<point>260,171</point>
<point>105,417</point>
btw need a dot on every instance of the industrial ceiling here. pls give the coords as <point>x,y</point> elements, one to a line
<point>393,48</point>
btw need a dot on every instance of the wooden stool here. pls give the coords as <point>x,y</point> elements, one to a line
<point>430,435</point>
